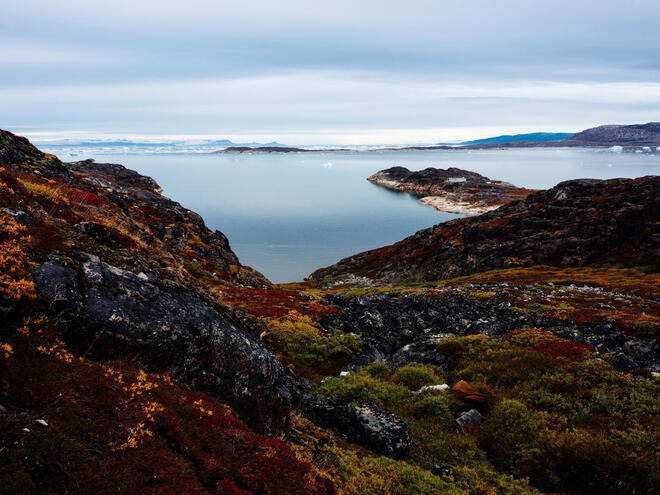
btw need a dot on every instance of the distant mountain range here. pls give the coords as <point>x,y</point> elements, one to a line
<point>604,136</point>
<point>636,135</point>
<point>536,137</point>
<point>626,136</point>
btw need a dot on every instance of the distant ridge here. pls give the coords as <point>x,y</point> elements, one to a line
<point>621,135</point>
<point>536,137</point>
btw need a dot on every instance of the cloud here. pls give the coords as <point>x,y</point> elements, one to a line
<point>208,66</point>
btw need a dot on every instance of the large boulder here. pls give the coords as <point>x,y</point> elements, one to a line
<point>109,312</point>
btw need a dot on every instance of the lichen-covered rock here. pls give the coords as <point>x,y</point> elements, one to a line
<point>110,312</point>
<point>19,215</point>
<point>368,425</point>
<point>405,329</point>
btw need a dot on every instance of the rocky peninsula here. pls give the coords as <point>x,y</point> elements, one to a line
<point>452,190</point>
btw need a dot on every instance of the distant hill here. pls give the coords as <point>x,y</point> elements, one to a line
<point>635,135</point>
<point>534,137</point>
<point>617,135</point>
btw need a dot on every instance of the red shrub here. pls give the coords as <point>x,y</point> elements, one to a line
<point>78,196</point>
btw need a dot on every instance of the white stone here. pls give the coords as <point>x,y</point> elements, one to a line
<point>444,386</point>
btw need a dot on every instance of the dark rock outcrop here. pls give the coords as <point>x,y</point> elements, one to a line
<point>405,329</point>
<point>576,223</point>
<point>368,425</point>
<point>98,232</point>
<point>99,174</point>
<point>111,313</point>
<point>18,151</point>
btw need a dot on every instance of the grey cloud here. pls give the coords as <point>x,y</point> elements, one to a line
<point>81,62</point>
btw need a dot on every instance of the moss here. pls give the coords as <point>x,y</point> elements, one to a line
<point>195,269</point>
<point>370,475</point>
<point>296,336</point>
<point>416,376</point>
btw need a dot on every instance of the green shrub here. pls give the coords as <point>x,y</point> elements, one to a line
<point>369,475</point>
<point>436,407</point>
<point>514,435</point>
<point>296,336</point>
<point>379,370</point>
<point>361,388</point>
<point>430,416</point>
<point>568,421</point>
<point>415,376</point>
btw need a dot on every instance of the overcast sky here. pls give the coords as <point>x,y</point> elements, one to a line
<point>345,72</point>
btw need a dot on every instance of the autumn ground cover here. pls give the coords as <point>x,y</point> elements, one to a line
<point>87,427</point>
<point>555,414</point>
<point>558,418</point>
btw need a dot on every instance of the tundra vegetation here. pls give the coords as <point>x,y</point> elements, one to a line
<point>559,415</point>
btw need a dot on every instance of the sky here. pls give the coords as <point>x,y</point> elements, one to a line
<point>339,72</point>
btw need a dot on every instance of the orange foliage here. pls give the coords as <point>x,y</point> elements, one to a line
<point>15,266</point>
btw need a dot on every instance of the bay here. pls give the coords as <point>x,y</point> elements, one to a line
<point>289,214</point>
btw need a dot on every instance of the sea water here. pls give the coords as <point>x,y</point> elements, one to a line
<point>289,214</point>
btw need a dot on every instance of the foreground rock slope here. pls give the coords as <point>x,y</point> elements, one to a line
<point>113,339</point>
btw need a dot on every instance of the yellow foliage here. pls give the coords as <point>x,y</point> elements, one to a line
<point>198,403</point>
<point>135,437</point>
<point>296,335</point>
<point>7,350</point>
<point>57,350</point>
<point>15,266</point>
<point>46,190</point>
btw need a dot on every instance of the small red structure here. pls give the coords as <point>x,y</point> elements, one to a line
<point>473,191</point>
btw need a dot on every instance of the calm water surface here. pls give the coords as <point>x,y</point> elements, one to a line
<point>289,214</point>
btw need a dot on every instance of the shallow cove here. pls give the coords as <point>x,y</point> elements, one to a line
<point>288,214</point>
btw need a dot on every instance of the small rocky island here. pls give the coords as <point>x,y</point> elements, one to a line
<point>452,190</point>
